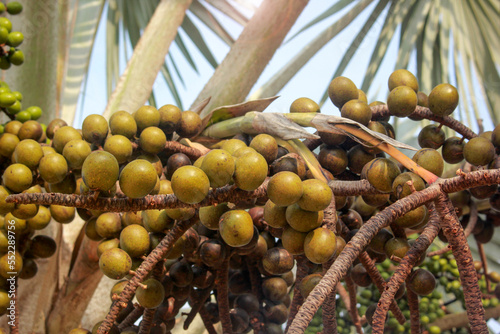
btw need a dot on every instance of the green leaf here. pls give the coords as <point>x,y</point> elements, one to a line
<point>192,31</point>
<point>84,28</point>
<point>226,112</point>
<point>171,85</point>
<point>210,21</point>
<point>397,12</point>
<point>430,35</point>
<point>285,74</point>
<point>182,47</point>
<point>112,37</point>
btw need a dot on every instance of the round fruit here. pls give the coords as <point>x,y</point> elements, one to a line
<point>134,239</point>
<point>277,261</point>
<point>443,99</point>
<point>334,159</point>
<point>342,90</point>
<point>138,178</point>
<point>152,295</point>
<point>412,218</point>
<point>120,146</point>
<point>293,240</point>
<point>316,195</point>
<point>400,187</point>
<point>402,101</point>
<point>63,136</point>
<point>190,184</point>
<point>479,151</point>
<point>115,263</point>
<point>403,77</point>
<point>422,282</point>
<point>75,152</point>
<point>123,123</point>
<point>453,150</point>
<point>100,170</point>
<point>210,215</point>
<point>219,166</point>
<point>302,220</point>
<point>381,173</point>
<point>358,111</point>
<point>431,136</point>
<point>250,171</point>
<point>170,117</point>
<point>320,245</point>
<point>236,228</point>
<point>265,145</point>
<point>17,177</point>
<point>190,124</point>
<point>274,289</point>
<point>430,159</point>
<point>14,7</point>
<point>95,129</point>
<point>284,188</point>
<point>152,140</point>
<point>304,104</point>
<point>146,116</point>
<point>275,215</point>
<point>43,246</point>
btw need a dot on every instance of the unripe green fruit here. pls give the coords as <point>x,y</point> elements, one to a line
<point>284,188</point>
<point>358,111</point>
<point>100,170</point>
<point>15,39</point>
<point>236,228</point>
<point>302,220</point>
<point>28,152</point>
<point>219,166</point>
<point>120,146</point>
<point>138,178</point>
<point>14,7</point>
<point>152,296</point>
<point>115,263</point>
<point>430,159</point>
<point>210,215</point>
<point>190,184</point>
<point>75,152</point>
<point>16,58</point>
<point>403,77</point>
<point>7,99</point>
<point>275,215</point>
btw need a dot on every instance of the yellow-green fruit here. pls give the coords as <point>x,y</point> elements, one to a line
<point>443,99</point>
<point>210,215</point>
<point>28,152</point>
<point>41,220</point>
<point>115,263</point>
<point>53,168</point>
<point>19,226</point>
<point>4,206</point>
<point>17,177</point>
<point>402,101</point>
<point>4,302</point>
<point>316,195</point>
<point>152,140</point>
<point>120,146</point>
<point>342,90</point>
<point>190,124</point>
<point>358,111</point>
<point>381,173</point>
<point>284,188</point>
<point>479,151</point>
<point>304,104</point>
<point>8,143</point>
<point>152,296</point>
<point>100,170</point>
<point>412,218</point>
<point>403,77</point>
<point>397,247</point>
<point>146,116</point>
<point>9,264</point>
<point>63,136</point>
<point>106,244</point>
<point>250,171</point>
<point>25,211</point>
<point>156,220</point>
<point>362,96</point>
<point>170,117</point>
<point>123,123</point>
<point>138,178</point>
<point>79,331</point>
<point>232,145</point>
<point>402,189</point>
<point>320,245</point>
<point>293,240</point>
<point>75,152</point>
<point>275,215</point>
<point>62,214</point>
<point>95,129</point>
<point>134,239</point>
<point>236,228</point>
<point>190,184</point>
<point>265,145</point>
<point>430,159</point>
<point>302,220</point>
<point>218,165</point>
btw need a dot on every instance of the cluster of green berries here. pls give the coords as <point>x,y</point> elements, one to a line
<point>12,39</point>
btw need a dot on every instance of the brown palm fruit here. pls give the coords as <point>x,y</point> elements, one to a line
<point>212,252</point>
<point>453,150</point>
<point>30,269</point>
<point>412,218</point>
<point>342,90</point>
<point>138,178</point>
<point>431,136</point>
<point>360,276</point>
<point>100,170</point>
<point>320,245</point>
<point>376,200</point>
<point>486,233</point>
<point>293,240</point>
<point>236,228</point>
<point>190,184</point>
<point>316,195</point>
<point>479,151</point>
<point>403,77</point>
<point>95,129</point>
<point>381,173</point>
<point>304,104</point>
<point>152,140</point>
<point>402,101</point>
<point>43,246</point>
<point>210,215</point>
<point>120,146</point>
<point>232,145</point>
<point>250,171</point>
<point>134,240</point>
<point>302,220</point>
<point>429,159</point>
<point>239,282</point>
<point>181,274</point>
<point>334,159</point>
<point>75,152</point>
<point>358,111</point>
<point>422,282</point>
<point>308,283</point>
<point>109,225</point>
<point>218,165</point>
<point>274,288</point>
<point>357,157</point>
<point>443,99</point>
<point>402,189</point>
<point>275,215</point>
<point>285,188</point>
<point>150,294</point>
<point>265,145</point>
<point>145,117</point>
<point>40,220</point>
<point>170,117</point>
<point>190,124</point>
<point>30,130</point>
<point>123,123</point>
<point>62,214</point>
<point>332,138</point>
<point>423,99</point>
<point>115,263</point>
<point>17,177</point>
<point>397,247</point>
<point>8,143</point>
<point>248,302</point>
<point>176,161</point>
<point>378,242</point>
<point>277,261</point>
<point>53,126</point>
<point>28,152</point>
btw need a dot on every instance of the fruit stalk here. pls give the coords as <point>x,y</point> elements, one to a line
<point>131,317</point>
<point>329,307</point>
<point>461,251</point>
<point>297,300</point>
<point>209,326</point>
<point>222,294</point>
<point>147,321</point>
<point>353,310</point>
<point>484,263</point>
<point>414,311</point>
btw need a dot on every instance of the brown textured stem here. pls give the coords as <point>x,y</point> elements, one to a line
<point>147,321</point>
<point>222,294</point>
<point>172,147</point>
<point>414,311</point>
<point>352,250</point>
<point>205,317</point>
<point>353,310</point>
<point>484,262</point>
<point>329,307</point>
<point>255,279</point>
<point>380,283</point>
<point>157,202</point>
<point>461,251</point>
<point>382,110</point>
<point>197,306</point>
<point>144,269</point>
<point>403,270</point>
<point>352,188</point>
<point>297,299</point>
<point>131,317</point>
